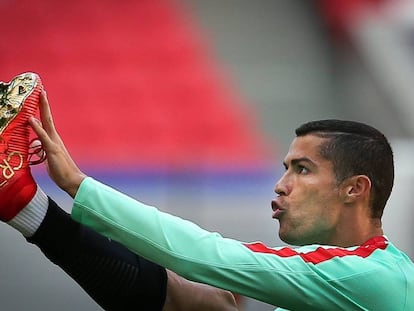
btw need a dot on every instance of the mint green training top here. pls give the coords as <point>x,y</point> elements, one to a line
<point>373,276</point>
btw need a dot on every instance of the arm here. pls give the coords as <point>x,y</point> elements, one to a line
<point>203,297</point>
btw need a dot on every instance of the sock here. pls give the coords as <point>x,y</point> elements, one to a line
<point>28,220</point>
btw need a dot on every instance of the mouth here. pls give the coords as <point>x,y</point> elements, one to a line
<point>277,210</point>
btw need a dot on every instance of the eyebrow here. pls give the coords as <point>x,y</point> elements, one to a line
<point>298,160</point>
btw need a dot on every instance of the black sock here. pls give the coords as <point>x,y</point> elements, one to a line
<point>112,275</point>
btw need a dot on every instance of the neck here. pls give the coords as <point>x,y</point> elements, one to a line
<point>356,231</point>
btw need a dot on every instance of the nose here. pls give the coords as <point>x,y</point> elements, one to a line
<point>281,187</point>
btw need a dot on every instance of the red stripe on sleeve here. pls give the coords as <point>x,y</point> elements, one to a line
<point>321,253</point>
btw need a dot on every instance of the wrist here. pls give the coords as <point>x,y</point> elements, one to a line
<point>73,186</point>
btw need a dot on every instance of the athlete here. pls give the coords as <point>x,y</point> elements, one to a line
<point>112,275</point>
<point>329,203</point>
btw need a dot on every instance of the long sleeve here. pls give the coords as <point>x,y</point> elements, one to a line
<point>308,278</point>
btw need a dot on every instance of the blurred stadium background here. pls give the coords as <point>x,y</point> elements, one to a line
<point>190,105</point>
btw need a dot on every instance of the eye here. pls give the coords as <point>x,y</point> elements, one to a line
<point>300,169</point>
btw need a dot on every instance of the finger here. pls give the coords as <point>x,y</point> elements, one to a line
<point>41,133</point>
<point>46,130</point>
<point>45,114</point>
<point>47,119</point>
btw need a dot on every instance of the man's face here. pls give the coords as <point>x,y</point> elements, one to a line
<point>308,204</point>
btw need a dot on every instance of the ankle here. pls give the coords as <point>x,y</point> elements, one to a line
<point>16,194</point>
<point>29,219</point>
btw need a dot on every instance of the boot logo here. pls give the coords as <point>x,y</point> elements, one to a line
<point>8,170</point>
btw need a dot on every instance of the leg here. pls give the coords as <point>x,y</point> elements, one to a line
<point>113,276</point>
<point>116,278</point>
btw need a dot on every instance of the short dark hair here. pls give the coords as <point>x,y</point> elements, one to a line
<point>356,148</point>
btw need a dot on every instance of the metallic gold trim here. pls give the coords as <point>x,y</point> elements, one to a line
<point>8,171</point>
<point>13,95</point>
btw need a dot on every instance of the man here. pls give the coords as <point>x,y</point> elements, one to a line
<point>338,177</point>
<point>112,275</point>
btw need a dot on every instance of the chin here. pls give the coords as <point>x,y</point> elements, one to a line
<point>294,240</point>
<point>288,239</point>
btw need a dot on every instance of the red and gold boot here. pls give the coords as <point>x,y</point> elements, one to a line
<point>19,101</point>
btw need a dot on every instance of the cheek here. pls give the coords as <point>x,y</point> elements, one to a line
<point>311,208</point>
<point>305,201</point>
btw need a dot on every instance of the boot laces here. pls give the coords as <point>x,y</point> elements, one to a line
<point>36,153</point>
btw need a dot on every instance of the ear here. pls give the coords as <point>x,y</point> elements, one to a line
<point>356,187</point>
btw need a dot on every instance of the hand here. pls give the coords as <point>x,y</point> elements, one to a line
<point>183,294</point>
<point>60,166</point>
